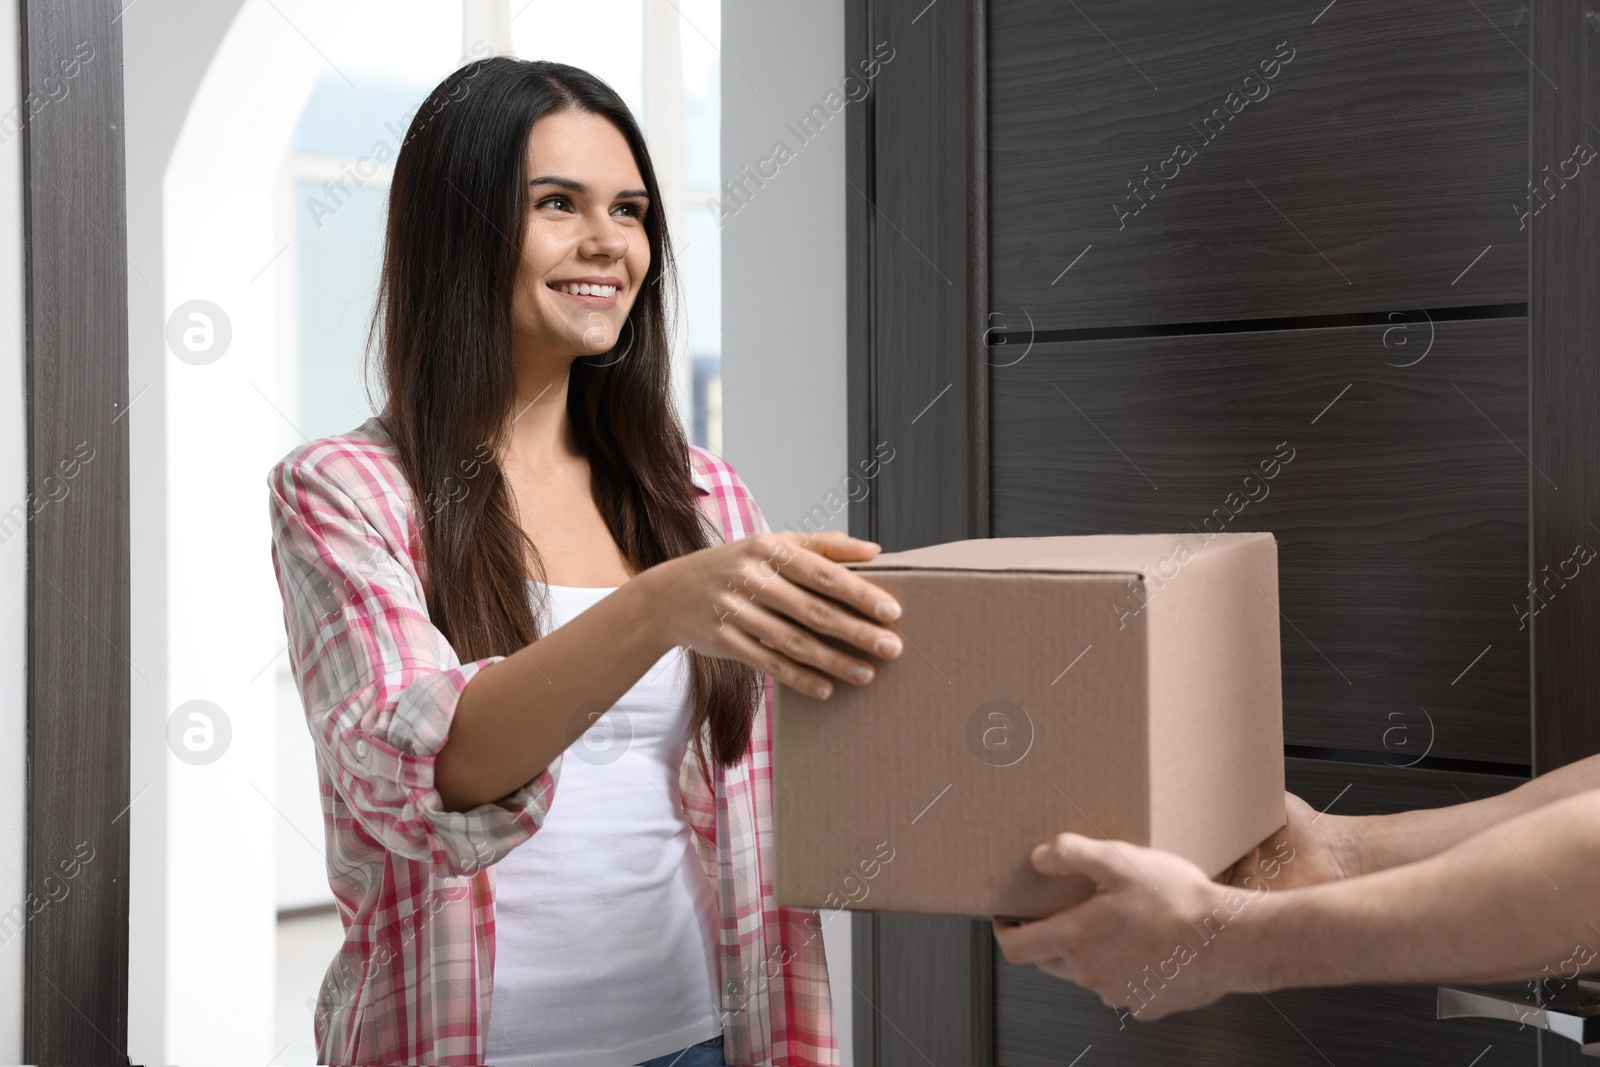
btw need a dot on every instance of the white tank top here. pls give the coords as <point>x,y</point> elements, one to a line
<point>605,923</point>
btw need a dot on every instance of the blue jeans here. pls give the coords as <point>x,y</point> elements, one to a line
<point>705,1054</point>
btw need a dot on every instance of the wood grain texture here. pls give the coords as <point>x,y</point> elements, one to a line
<point>861,375</point>
<point>1564,382</point>
<point>1400,517</point>
<point>863,1036</point>
<point>925,991</point>
<point>1383,158</point>
<point>75,1007</point>
<point>979,322</point>
<point>860,173</point>
<point>1045,1022</point>
<point>1394,142</point>
<point>925,339</point>
<point>1564,377</point>
<point>917,316</point>
<point>1041,1020</point>
<point>1360,789</point>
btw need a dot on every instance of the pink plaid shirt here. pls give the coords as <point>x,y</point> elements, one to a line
<point>415,883</point>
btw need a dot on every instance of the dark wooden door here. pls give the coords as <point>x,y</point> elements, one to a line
<point>1106,259</point>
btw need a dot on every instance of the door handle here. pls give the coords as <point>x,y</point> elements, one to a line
<point>1574,1016</point>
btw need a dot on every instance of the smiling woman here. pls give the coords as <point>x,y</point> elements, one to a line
<point>559,609</point>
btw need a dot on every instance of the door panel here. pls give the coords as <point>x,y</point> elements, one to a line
<point>1252,301</point>
<point>931,1001</point>
<point>1399,507</point>
<point>1385,155</point>
<point>1045,1022</point>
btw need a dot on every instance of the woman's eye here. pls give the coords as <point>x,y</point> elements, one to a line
<point>551,201</point>
<point>633,210</point>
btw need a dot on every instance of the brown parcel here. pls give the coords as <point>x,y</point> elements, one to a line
<point>1123,687</point>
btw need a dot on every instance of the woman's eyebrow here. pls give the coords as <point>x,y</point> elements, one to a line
<point>564,183</point>
<point>579,187</point>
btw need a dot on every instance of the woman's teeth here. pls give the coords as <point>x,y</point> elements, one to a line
<point>584,289</point>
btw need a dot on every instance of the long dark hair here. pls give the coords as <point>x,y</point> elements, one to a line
<point>457,211</point>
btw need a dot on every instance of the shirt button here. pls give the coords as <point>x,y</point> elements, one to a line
<point>361,749</point>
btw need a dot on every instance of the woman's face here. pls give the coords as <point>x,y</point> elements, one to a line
<point>585,226</point>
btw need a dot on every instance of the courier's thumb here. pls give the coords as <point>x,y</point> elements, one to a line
<point>1069,854</point>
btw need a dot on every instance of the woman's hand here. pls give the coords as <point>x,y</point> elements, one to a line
<point>1311,847</point>
<point>763,600</point>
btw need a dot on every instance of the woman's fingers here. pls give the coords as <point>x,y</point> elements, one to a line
<point>802,646</point>
<point>738,644</point>
<point>809,560</point>
<point>834,544</point>
<point>787,594</point>
<point>824,614</point>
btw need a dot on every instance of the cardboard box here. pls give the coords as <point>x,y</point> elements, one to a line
<point>1123,687</point>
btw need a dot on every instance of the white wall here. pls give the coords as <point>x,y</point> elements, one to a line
<point>167,45</point>
<point>159,80</point>
<point>13,555</point>
<point>783,287</point>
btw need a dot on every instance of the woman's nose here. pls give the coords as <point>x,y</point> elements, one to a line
<point>605,238</point>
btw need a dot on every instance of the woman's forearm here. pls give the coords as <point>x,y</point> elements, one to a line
<point>1510,902</point>
<point>517,715</point>
<point>1378,842</point>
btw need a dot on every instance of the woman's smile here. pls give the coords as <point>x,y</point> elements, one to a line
<point>592,291</point>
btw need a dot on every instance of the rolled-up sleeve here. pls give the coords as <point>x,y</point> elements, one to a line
<point>378,680</point>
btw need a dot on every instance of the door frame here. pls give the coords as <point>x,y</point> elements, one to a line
<point>1563,397</point>
<point>920,981</point>
<point>929,981</point>
<point>78,628</point>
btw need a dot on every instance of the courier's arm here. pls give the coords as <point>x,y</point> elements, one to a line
<point>1508,902</point>
<point>1346,846</point>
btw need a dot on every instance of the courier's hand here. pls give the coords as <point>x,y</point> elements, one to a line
<point>764,600</point>
<point>1312,847</point>
<point>1142,941</point>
